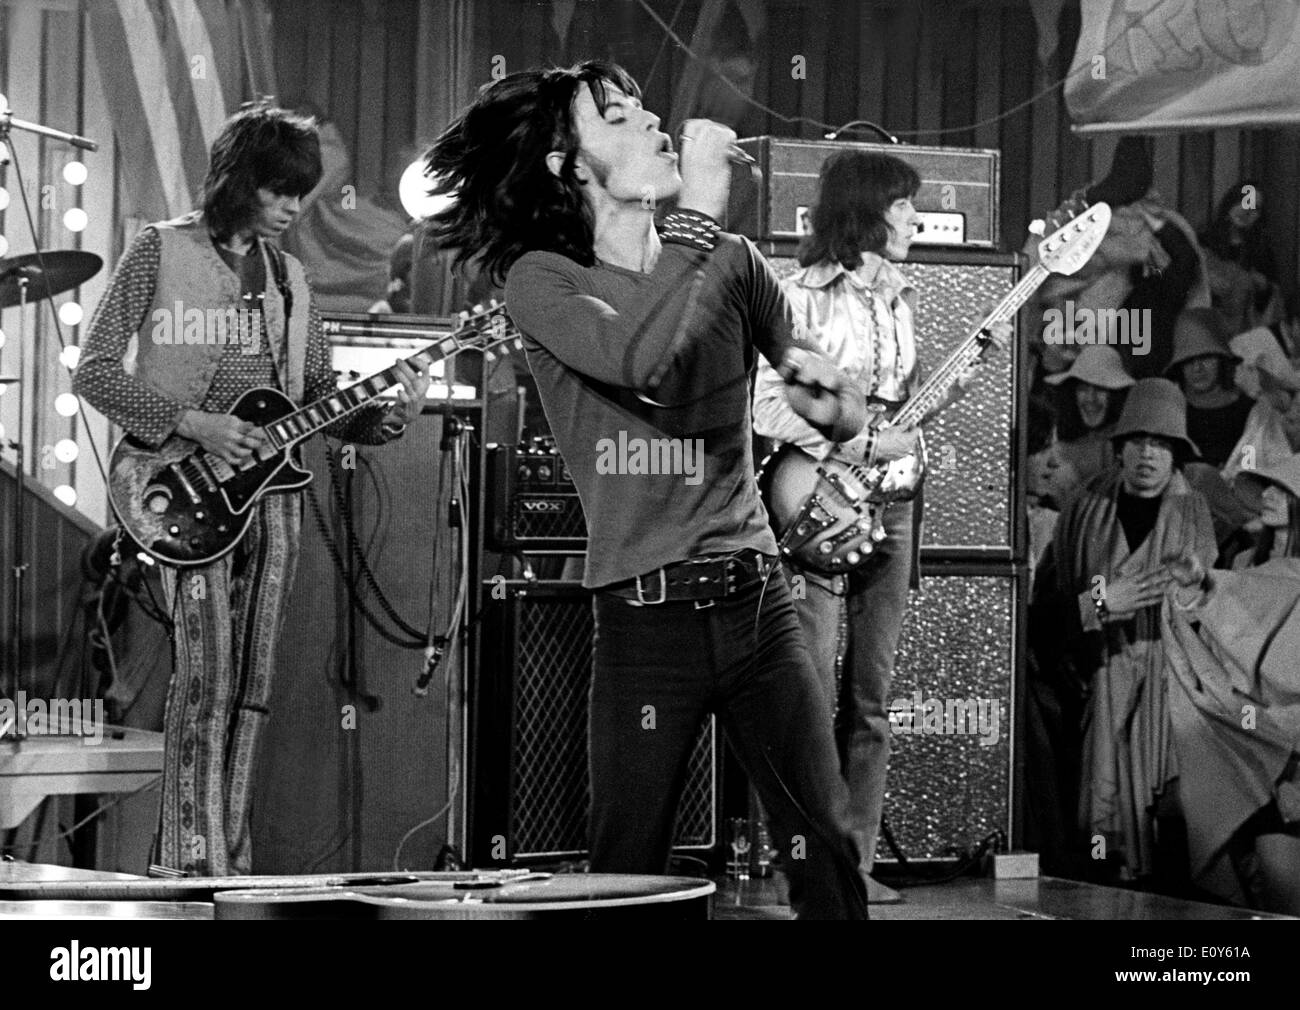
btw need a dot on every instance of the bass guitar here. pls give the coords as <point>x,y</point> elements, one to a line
<point>828,514</point>
<point>186,506</point>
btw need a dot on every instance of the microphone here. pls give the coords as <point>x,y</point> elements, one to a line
<point>739,156</point>
<point>735,154</point>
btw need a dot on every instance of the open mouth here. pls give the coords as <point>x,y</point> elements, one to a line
<point>666,148</point>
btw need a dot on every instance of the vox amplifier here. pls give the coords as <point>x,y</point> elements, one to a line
<point>531,501</point>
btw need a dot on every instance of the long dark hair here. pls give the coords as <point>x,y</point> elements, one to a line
<point>1071,424</point>
<point>259,147</point>
<point>855,190</point>
<point>1253,251</point>
<point>493,159</point>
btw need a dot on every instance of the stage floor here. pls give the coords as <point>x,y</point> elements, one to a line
<point>966,898</point>
<point>983,898</point>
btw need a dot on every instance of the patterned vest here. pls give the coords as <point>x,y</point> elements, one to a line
<point>194,283</point>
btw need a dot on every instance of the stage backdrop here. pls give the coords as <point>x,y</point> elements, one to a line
<point>1145,65</point>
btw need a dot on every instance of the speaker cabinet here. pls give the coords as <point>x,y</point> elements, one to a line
<point>970,488</point>
<point>954,713</point>
<point>528,753</point>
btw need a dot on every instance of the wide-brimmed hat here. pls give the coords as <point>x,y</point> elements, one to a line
<point>1155,407</point>
<point>1285,472</point>
<point>1198,332</point>
<point>1097,365</point>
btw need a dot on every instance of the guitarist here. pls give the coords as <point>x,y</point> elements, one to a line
<point>859,308</point>
<point>226,615</point>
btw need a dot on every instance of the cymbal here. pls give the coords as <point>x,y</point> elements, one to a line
<point>64,270</point>
<point>7,379</point>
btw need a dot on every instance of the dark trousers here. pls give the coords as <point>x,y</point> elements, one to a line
<point>658,670</point>
<point>852,625</point>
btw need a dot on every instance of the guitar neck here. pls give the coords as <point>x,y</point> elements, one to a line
<point>936,387</point>
<point>314,417</point>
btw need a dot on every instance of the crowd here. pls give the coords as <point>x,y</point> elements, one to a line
<point>1163,498</point>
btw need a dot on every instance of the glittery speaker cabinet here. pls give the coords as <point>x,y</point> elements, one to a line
<point>971,486</point>
<point>954,711</point>
<point>528,749</point>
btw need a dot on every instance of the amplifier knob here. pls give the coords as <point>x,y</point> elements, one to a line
<point>825,547</point>
<point>543,472</point>
<point>854,557</point>
<point>158,503</point>
<point>174,530</point>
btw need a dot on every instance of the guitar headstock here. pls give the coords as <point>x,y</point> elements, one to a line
<point>488,330</point>
<point>1078,231</point>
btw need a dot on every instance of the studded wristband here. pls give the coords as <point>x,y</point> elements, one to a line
<point>690,228</point>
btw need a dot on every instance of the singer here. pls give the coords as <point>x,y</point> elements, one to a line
<point>227,615</point>
<point>653,331</point>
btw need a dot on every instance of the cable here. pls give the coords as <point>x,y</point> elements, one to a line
<point>353,594</point>
<point>792,120</point>
<point>103,808</point>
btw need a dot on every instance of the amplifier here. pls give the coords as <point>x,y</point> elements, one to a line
<point>530,500</point>
<point>956,182</point>
<point>528,776</point>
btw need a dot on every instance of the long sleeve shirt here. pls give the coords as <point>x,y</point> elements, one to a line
<point>863,321</point>
<point>644,378</point>
<point>150,415</point>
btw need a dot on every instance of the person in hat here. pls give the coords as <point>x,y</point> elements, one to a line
<point>1277,533</point>
<point>1203,366</point>
<point>1091,396</point>
<point>1231,681</point>
<point>1107,572</point>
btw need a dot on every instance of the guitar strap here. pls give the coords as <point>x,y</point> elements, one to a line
<point>281,274</point>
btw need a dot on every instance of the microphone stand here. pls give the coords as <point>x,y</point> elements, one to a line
<point>20,493</point>
<point>16,651</point>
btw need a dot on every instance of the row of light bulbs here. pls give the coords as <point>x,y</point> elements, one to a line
<point>70,314</point>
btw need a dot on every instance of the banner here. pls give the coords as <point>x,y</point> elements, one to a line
<point>173,70</point>
<point>1155,65</point>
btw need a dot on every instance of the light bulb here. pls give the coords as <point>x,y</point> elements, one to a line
<point>65,450</point>
<point>66,404</point>
<point>75,219</point>
<point>71,313</point>
<point>75,173</point>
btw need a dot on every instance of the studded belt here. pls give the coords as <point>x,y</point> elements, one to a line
<point>704,578</point>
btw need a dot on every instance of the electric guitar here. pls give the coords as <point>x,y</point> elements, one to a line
<point>186,506</point>
<point>828,515</point>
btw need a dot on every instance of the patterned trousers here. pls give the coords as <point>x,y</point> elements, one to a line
<point>228,616</point>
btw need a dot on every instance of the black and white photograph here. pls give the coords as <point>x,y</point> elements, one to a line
<point>665,460</point>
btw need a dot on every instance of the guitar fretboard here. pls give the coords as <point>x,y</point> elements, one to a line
<point>314,417</point>
<point>936,387</point>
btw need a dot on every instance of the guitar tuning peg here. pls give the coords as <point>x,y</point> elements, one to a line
<point>463,315</point>
<point>478,308</point>
<point>489,356</point>
<point>1038,227</point>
